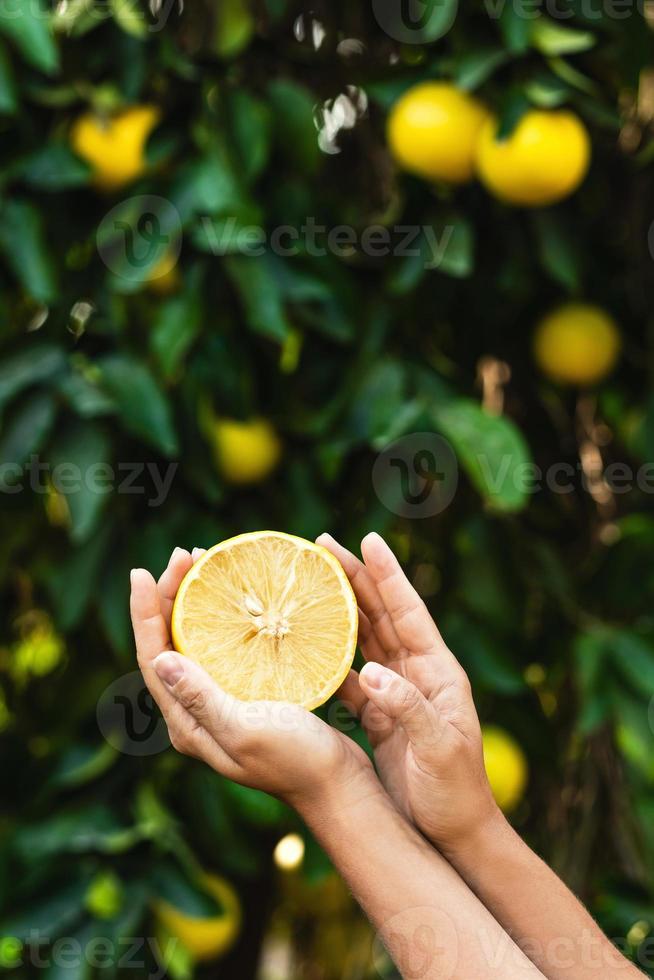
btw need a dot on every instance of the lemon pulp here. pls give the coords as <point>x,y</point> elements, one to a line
<point>270,616</point>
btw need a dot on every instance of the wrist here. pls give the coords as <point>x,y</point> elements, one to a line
<point>328,800</point>
<point>479,838</point>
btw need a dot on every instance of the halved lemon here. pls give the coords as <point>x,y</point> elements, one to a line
<point>270,616</point>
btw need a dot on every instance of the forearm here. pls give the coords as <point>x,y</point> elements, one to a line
<point>426,916</point>
<point>533,904</point>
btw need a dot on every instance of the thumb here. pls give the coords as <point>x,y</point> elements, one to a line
<point>196,692</point>
<point>402,701</point>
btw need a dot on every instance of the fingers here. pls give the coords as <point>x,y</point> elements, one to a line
<point>200,716</point>
<point>197,553</point>
<point>150,629</point>
<point>368,597</point>
<point>170,581</point>
<point>401,700</point>
<point>351,694</point>
<point>369,642</point>
<point>410,617</point>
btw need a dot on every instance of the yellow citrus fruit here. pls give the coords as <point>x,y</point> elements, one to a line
<point>577,344</point>
<point>114,145</point>
<point>543,160</point>
<point>204,937</point>
<point>433,129</point>
<point>164,277</point>
<point>245,452</point>
<point>506,767</point>
<point>270,616</point>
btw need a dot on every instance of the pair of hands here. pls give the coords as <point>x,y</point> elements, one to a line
<point>412,696</point>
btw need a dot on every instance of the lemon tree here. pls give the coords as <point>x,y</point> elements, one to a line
<point>272,266</point>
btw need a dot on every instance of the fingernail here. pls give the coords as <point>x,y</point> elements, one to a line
<point>195,554</point>
<point>131,576</point>
<point>176,552</point>
<point>376,676</point>
<point>168,668</point>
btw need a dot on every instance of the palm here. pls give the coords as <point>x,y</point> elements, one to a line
<point>400,769</point>
<point>396,631</point>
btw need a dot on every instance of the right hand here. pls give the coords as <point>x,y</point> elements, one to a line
<point>415,703</point>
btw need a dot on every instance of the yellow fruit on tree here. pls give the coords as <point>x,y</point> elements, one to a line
<point>270,616</point>
<point>205,938</point>
<point>433,129</point>
<point>245,452</point>
<point>577,344</point>
<point>164,277</point>
<point>506,767</point>
<point>114,145</point>
<point>543,160</point>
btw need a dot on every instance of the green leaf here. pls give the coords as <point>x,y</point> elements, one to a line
<point>590,652</point>
<point>491,449</point>
<point>51,914</point>
<point>476,67</point>
<point>36,362</point>
<point>142,406</point>
<point>482,656</point>
<point>84,395</point>
<point>251,126</point>
<point>294,132</point>
<point>80,764</point>
<point>547,91</point>
<point>28,24</point>
<point>557,248</point>
<point>516,22</point>
<point>210,186</point>
<point>130,17</point>
<point>633,655</point>
<point>456,248</point>
<point>72,581</point>
<point>377,401</point>
<point>53,167</point>
<point>175,327</point>
<point>556,39</point>
<point>23,242</point>
<point>8,90</point>
<point>27,429</point>
<point>235,27</point>
<point>260,295</point>
<point>81,472</point>
<point>514,105</point>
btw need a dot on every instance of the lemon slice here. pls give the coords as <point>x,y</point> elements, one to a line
<point>270,616</point>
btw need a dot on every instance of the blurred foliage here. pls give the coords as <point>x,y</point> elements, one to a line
<point>272,115</point>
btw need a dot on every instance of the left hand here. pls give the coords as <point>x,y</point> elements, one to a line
<point>415,703</point>
<point>272,746</point>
